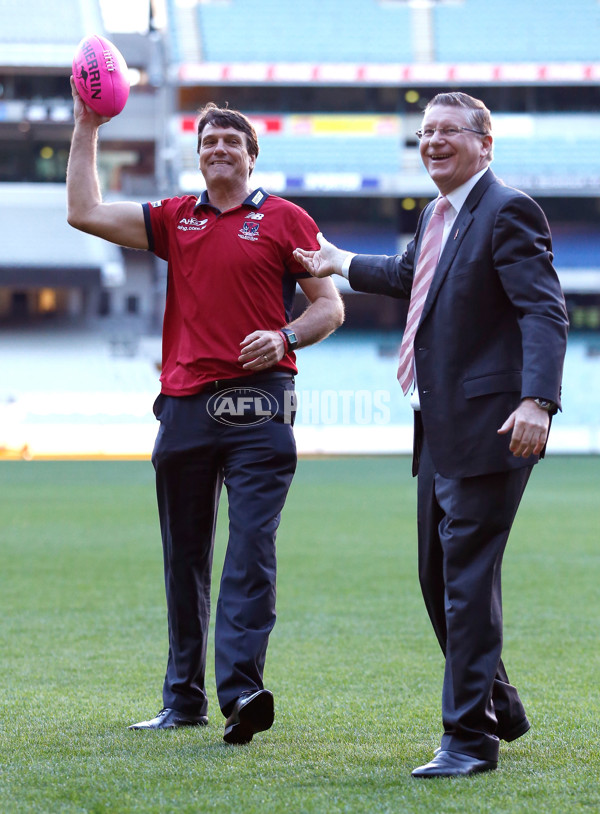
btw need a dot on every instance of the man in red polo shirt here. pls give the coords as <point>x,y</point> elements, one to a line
<point>226,405</point>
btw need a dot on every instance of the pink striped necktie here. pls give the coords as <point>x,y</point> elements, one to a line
<point>428,259</point>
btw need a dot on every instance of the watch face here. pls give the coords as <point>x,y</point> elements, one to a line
<point>292,339</point>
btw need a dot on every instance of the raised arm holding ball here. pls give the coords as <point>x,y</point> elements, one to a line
<point>226,405</point>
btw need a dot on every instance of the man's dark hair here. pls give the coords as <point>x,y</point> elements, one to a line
<point>224,117</point>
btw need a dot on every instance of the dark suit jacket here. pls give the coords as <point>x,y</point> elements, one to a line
<point>493,329</point>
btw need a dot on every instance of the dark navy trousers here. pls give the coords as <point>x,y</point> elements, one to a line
<point>242,437</point>
<point>463,529</point>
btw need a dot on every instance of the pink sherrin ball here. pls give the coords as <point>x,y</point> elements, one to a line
<point>101,75</point>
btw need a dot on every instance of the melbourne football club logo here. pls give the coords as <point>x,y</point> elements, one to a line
<point>249,231</point>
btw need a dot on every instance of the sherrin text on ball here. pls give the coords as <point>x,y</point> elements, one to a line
<point>101,75</point>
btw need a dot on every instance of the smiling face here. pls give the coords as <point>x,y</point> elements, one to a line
<point>452,161</point>
<point>224,157</point>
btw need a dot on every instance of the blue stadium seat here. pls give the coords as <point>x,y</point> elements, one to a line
<point>317,31</point>
<point>63,23</point>
<point>514,31</point>
<point>303,154</point>
<point>370,31</point>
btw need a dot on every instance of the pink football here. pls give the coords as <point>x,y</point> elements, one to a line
<point>100,74</point>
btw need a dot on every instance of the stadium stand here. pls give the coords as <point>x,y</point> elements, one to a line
<point>30,36</point>
<point>517,31</point>
<point>315,31</point>
<point>335,88</point>
<point>539,153</point>
<point>376,31</point>
<point>67,392</point>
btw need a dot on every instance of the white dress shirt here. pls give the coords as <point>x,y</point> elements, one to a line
<point>456,199</point>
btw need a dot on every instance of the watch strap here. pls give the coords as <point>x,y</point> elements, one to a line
<point>291,341</point>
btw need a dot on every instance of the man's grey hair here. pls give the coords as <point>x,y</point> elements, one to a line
<point>480,117</point>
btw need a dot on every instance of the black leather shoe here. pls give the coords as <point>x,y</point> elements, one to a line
<point>171,719</point>
<point>505,735</point>
<point>253,712</point>
<point>453,764</point>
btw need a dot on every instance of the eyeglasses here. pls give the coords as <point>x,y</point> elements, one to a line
<point>446,132</point>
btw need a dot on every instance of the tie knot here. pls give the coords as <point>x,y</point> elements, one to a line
<point>441,205</point>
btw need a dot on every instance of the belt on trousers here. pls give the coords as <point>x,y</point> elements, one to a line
<point>247,381</point>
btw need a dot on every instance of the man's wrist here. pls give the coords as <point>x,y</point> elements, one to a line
<point>544,404</point>
<point>345,270</point>
<point>290,340</point>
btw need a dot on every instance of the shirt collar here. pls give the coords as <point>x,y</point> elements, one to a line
<point>459,195</point>
<point>255,200</point>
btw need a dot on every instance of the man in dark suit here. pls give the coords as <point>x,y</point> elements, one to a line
<point>483,354</point>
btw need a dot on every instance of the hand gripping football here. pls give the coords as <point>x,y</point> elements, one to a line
<point>101,75</point>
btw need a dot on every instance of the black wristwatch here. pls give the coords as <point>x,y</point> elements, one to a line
<point>548,406</point>
<point>291,339</point>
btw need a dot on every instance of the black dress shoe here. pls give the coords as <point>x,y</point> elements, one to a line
<point>253,712</point>
<point>171,719</point>
<point>505,735</point>
<point>453,764</point>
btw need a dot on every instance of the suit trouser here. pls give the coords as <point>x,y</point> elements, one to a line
<point>193,455</point>
<point>463,528</point>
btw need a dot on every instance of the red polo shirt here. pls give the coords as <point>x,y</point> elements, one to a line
<point>229,274</point>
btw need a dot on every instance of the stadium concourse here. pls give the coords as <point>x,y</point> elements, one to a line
<point>83,393</point>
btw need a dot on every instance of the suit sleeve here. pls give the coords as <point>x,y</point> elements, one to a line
<point>382,274</point>
<point>522,250</point>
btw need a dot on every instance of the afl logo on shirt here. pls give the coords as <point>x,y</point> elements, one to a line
<point>249,231</point>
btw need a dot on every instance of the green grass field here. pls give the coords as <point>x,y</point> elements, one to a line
<point>353,663</point>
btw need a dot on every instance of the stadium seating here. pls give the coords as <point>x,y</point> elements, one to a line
<point>375,31</point>
<point>484,31</point>
<point>62,25</point>
<point>576,246</point>
<point>74,392</point>
<point>316,31</point>
<point>50,36</point>
<point>534,152</point>
<point>95,390</point>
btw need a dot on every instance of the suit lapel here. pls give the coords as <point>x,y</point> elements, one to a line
<point>459,230</point>
<point>460,227</point>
